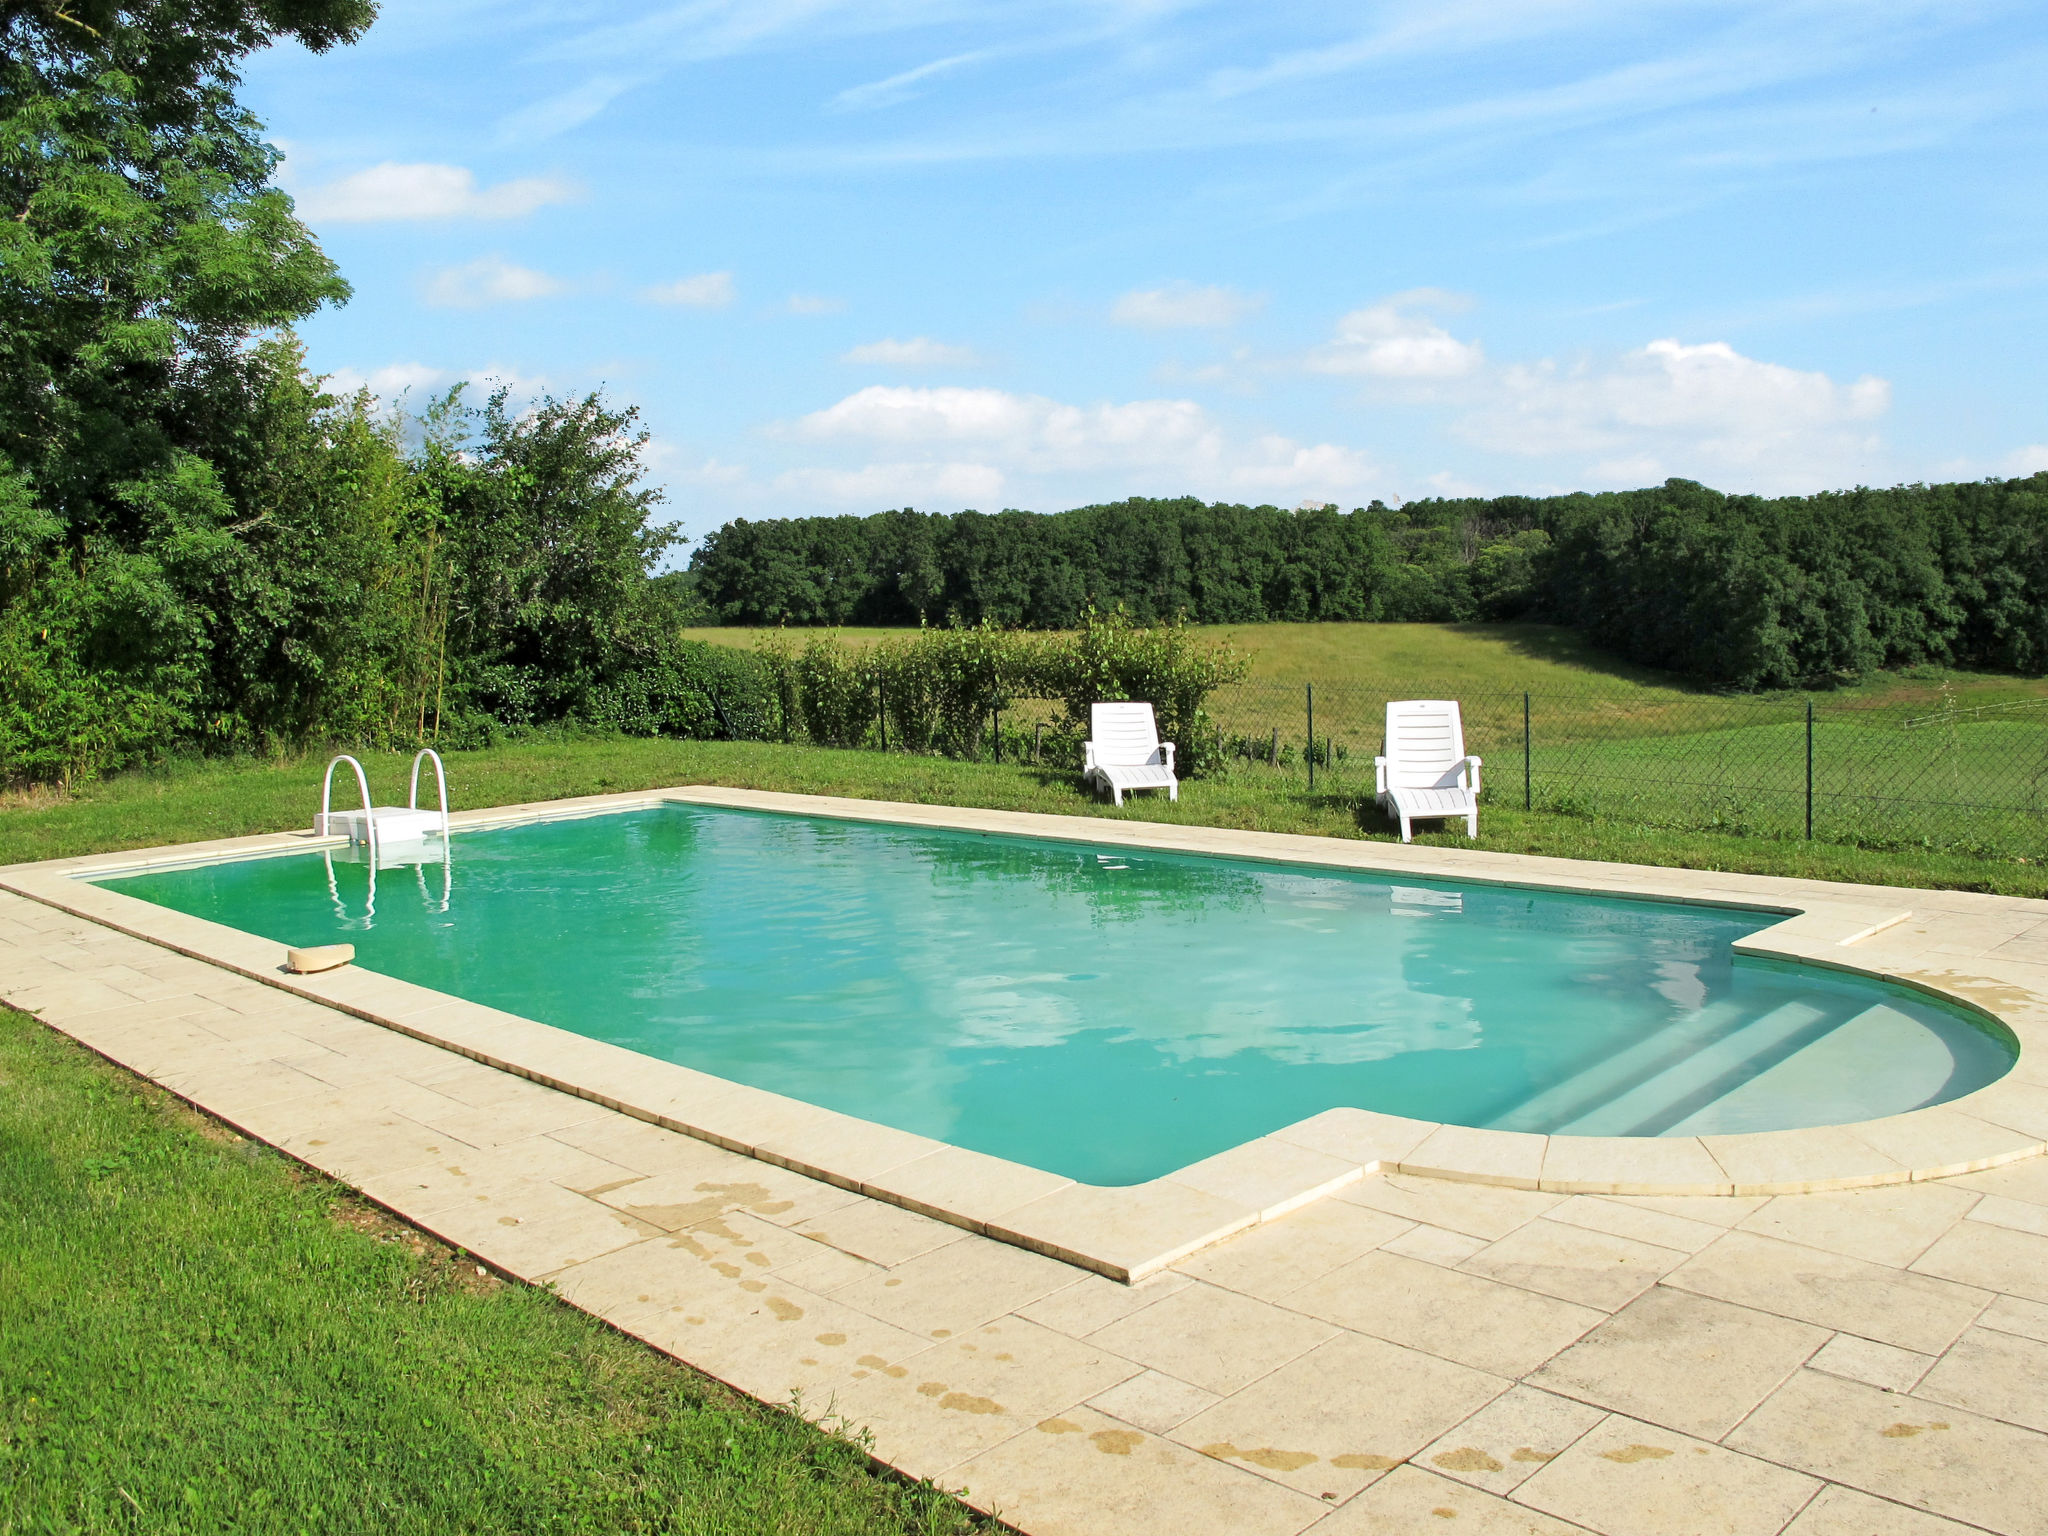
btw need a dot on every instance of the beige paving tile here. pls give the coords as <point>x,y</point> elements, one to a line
<point>1503,1444</point>
<point>1996,1258</point>
<point>1269,1175</point>
<point>970,1184</point>
<point>1480,1210</point>
<point>1508,1158</point>
<point>1154,1401</point>
<point>640,1146</point>
<point>973,1392</point>
<point>1945,1140</point>
<point>722,1182</point>
<point>1790,1162</point>
<point>957,1287</point>
<point>846,1147</point>
<point>1893,1225</point>
<point>448,1183</point>
<point>1081,1473</point>
<point>1839,1511</point>
<point>1875,1364</point>
<point>1595,1269</point>
<point>1629,1478</point>
<point>1601,1213</point>
<point>535,1112</point>
<point>1276,1257</point>
<point>1918,1453</point>
<point>367,1144</point>
<point>1613,1165</point>
<point>1409,1499</point>
<point>1686,1362</point>
<point>1213,1337</point>
<point>2000,1375</point>
<point>827,1269</point>
<point>2009,1314</point>
<point>1474,1321</point>
<point>1359,1135</point>
<point>1341,1415</point>
<point>1716,1210</point>
<point>533,1249</point>
<point>879,1233</point>
<point>773,1343</point>
<point>2024,1180</point>
<point>2020,1215</point>
<point>1091,1302</point>
<point>1434,1245</point>
<point>1893,1306</point>
<point>1136,1231</point>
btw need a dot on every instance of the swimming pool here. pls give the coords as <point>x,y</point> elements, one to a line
<point>1110,1015</point>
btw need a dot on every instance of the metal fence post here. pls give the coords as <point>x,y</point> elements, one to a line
<point>1311,735</point>
<point>882,710</point>
<point>1809,770</point>
<point>998,714</point>
<point>1528,795</point>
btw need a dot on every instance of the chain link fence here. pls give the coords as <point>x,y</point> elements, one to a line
<point>1973,780</point>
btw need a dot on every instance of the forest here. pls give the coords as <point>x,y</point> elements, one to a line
<point>1741,591</point>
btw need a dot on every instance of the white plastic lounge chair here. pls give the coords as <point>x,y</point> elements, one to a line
<point>1125,751</point>
<point>1425,774</point>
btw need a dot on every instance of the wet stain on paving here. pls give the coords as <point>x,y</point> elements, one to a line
<point>1365,1461</point>
<point>1907,1431</point>
<point>785,1310</point>
<point>1634,1453</point>
<point>832,1340</point>
<point>1261,1456</point>
<point>1530,1453</point>
<point>1466,1458</point>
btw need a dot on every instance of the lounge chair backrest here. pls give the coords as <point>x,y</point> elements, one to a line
<point>1125,735</point>
<point>1425,744</point>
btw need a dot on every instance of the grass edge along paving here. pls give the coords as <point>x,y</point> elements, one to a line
<point>198,1334</point>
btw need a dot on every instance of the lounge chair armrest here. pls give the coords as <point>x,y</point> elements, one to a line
<point>1379,771</point>
<point>1087,757</point>
<point>1472,772</point>
<point>1166,754</point>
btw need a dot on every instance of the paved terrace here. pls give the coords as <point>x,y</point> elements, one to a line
<point>1405,1353</point>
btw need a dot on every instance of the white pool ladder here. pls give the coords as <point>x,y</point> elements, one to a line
<point>380,824</point>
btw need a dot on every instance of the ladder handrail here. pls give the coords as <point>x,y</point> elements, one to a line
<point>362,783</point>
<point>441,780</point>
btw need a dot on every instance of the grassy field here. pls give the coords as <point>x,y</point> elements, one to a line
<point>199,1336</point>
<point>190,801</point>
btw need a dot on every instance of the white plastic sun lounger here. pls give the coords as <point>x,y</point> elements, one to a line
<point>1124,751</point>
<point>1425,774</point>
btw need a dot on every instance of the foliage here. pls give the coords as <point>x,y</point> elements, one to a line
<point>941,689</point>
<point>1746,591</point>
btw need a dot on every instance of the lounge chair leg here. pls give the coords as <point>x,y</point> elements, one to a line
<point>1173,791</point>
<point>1407,832</point>
<point>1472,827</point>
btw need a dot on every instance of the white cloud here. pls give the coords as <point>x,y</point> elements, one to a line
<point>392,192</point>
<point>1396,339</point>
<point>1183,304</point>
<point>390,382</point>
<point>707,290</point>
<point>2030,460</point>
<point>904,484</point>
<point>813,304</point>
<point>918,352</point>
<point>1701,410</point>
<point>992,439</point>
<point>488,280</point>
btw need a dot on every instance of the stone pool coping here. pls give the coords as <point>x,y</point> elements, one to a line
<point>1132,1232</point>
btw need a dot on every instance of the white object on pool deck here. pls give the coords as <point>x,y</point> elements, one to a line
<point>1425,774</point>
<point>1124,751</point>
<point>319,957</point>
<point>380,824</point>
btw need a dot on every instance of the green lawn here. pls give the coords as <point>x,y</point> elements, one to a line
<point>190,801</point>
<point>198,1336</point>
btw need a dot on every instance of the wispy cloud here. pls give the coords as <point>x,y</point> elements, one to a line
<point>392,192</point>
<point>486,281</point>
<point>1184,304</point>
<point>901,87</point>
<point>918,352</point>
<point>1397,339</point>
<point>707,290</point>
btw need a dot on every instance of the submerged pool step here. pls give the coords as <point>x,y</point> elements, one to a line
<point>1614,1075</point>
<point>1652,1105</point>
<point>1879,1062</point>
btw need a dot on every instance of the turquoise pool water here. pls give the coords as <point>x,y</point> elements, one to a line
<point>1109,1016</point>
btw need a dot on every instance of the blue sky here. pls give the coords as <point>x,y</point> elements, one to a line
<point>929,253</point>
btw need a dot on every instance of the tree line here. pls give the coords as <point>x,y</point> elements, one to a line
<point>1746,591</point>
